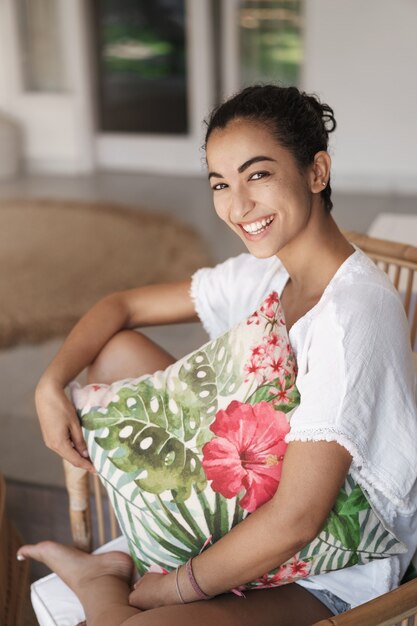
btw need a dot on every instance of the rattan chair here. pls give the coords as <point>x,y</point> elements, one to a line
<point>400,263</point>
<point>396,608</point>
<point>13,574</point>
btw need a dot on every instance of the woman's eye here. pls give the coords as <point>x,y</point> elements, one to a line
<point>219,186</point>
<point>258,175</point>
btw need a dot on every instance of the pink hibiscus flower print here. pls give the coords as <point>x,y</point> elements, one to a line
<point>247,452</point>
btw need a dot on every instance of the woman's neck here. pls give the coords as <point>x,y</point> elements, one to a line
<point>315,255</point>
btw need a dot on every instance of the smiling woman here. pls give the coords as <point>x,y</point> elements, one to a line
<point>343,325</point>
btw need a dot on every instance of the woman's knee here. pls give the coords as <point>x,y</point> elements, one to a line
<point>127,354</point>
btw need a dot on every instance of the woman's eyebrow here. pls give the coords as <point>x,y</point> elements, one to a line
<point>253,160</point>
<point>245,165</point>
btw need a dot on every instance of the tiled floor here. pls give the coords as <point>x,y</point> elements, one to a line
<point>36,500</point>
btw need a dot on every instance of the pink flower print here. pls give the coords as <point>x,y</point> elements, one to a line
<point>280,396</point>
<point>276,370</point>
<point>254,319</point>
<point>276,366</point>
<point>298,569</point>
<point>247,452</point>
<point>273,341</point>
<point>272,299</point>
<point>258,351</point>
<point>280,577</point>
<point>268,305</point>
<point>255,369</point>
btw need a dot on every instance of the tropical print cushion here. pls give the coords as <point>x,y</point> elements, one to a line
<point>189,452</point>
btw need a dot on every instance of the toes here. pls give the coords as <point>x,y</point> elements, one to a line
<point>37,551</point>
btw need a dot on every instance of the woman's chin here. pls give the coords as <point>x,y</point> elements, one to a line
<point>261,251</point>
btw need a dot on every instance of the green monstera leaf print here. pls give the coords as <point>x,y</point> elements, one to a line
<point>153,443</point>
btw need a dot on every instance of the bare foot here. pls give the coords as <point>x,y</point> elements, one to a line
<point>76,568</point>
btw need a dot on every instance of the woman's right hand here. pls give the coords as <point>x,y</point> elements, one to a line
<point>144,306</point>
<point>60,426</point>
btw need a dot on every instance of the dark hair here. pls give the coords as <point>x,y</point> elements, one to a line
<point>299,121</point>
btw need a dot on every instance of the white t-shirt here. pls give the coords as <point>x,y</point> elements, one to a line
<point>356,338</point>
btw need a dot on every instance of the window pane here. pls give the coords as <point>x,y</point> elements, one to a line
<point>271,42</point>
<point>142,65</point>
<point>40,45</point>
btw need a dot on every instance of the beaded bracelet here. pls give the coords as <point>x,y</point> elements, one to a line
<point>194,583</point>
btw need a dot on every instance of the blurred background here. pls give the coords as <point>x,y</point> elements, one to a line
<point>124,85</point>
<point>103,101</point>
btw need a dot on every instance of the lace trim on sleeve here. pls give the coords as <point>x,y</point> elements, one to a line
<point>368,479</point>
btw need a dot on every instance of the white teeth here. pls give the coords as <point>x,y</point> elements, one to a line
<point>257,227</point>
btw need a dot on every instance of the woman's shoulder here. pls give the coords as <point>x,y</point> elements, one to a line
<point>360,283</point>
<point>362,305</point>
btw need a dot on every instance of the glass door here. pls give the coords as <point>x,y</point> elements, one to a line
<point>262,42</point>
<point>141,66</point>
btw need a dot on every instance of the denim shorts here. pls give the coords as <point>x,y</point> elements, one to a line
<point>335,604</point>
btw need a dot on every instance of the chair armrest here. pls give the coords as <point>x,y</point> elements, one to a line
<point>387,610</point>
<point>77,483</point>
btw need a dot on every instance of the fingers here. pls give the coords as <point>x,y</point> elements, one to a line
<point>80,447</point>
<point>69,453</point>
<point>78,439</point>
<point>60,427</point>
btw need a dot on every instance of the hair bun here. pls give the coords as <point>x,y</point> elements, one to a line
<point>324,111</point>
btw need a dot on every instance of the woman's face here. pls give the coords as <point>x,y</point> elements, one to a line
<point>258,190</point>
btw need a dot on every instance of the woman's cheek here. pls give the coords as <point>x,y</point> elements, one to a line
<point>220,206</point>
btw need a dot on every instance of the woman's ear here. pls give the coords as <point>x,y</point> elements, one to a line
<point>320,171</point>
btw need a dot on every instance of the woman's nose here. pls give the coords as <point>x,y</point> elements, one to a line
<point>241,205</point>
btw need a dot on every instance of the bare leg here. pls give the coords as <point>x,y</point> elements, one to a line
<point>102,583</point>
<point>127,355</point>
<point>289,605</point>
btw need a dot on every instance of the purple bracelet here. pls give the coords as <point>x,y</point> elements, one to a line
<point>194,583</point>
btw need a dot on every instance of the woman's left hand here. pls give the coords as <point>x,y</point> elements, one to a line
<point>153,590</point>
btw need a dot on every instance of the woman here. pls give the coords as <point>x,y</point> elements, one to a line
<point>269,170</point>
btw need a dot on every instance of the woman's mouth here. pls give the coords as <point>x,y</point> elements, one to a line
<point>258,227</point>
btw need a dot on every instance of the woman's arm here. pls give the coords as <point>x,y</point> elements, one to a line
<point>313,473</point>
<point>144,306</point>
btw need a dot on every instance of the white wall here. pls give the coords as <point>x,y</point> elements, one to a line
<point>57,129</point>
<point>361,58</point>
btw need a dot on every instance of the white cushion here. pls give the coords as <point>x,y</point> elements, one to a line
<point>53,601</point>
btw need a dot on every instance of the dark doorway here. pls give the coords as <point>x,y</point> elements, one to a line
<point>141,69</point>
